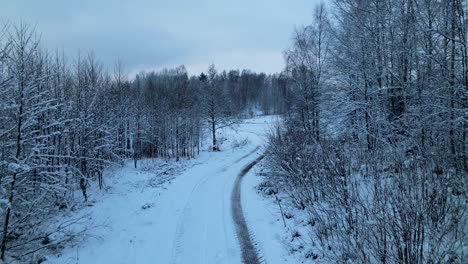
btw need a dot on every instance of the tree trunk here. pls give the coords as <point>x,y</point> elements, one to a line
<point>213,130</point>
<point>13,182</point>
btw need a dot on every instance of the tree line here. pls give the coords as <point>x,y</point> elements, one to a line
<point>373,149</point>
<point>63,121</point>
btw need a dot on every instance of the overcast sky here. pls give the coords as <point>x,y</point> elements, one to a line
<point>153,34</point>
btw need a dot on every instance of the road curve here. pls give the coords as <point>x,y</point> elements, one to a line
<point>249,252</point>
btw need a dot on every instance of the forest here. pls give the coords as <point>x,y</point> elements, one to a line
<point>373,150</point>
<point>64,120</point>
<point>372,147</point>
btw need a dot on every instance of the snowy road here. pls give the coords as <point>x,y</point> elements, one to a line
<point>190,222</point>
<point>204,229</point>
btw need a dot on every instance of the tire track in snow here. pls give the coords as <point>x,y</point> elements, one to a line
<point>180,229</point>
<point>240,159</point>
<point>247,244</point>
<point>224,190</point>
<point>246,155</point>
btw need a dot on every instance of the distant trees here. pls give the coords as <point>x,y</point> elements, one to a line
<point>227,96</point>
<point>216,106</point>
<point>382,175</point>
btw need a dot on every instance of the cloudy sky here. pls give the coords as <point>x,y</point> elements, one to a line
<point>153,34</point>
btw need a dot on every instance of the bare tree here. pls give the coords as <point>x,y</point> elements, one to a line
<point>216,107</point>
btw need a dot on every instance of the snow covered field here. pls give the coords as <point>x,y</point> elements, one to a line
<point>186,218</point>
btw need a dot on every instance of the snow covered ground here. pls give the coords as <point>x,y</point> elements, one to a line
<point>264,220</point>
<point>182,214</point>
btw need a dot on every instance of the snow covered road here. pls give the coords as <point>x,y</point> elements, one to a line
<point>190,222</point>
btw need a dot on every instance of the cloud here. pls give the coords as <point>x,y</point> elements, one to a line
<point>153,34</point>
